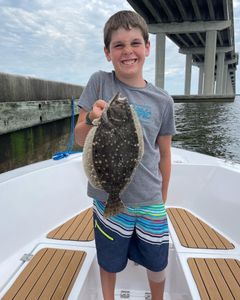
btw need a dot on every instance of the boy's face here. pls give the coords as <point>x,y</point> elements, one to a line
<point>127,51</point>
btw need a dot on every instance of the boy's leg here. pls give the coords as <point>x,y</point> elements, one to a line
<point>112,238</point>
<point>149,245</point>
<point>156,283</point>
<point>157,289</point>
<point>108,281</point>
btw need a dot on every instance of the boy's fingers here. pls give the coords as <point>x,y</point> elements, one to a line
<point>100,104</point>
<point>98,108</point>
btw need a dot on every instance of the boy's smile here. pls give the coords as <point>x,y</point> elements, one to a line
<point>127,51</point>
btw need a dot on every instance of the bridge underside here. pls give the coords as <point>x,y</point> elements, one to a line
<point>204,32</point>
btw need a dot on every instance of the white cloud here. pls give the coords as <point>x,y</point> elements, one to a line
<point>236,3</point>
<point>63,40</point>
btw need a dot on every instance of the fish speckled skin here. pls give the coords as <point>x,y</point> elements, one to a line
<point>112,151</point>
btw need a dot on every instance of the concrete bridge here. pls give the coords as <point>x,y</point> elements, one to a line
<point>204,32</point>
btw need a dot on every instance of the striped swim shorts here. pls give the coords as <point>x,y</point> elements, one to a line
<point>139,234</point>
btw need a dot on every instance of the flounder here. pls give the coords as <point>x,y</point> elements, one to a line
<point>112,150</point>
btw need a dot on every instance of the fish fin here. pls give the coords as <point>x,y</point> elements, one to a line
<point>113,208</point>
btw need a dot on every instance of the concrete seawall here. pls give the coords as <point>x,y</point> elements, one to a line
<point>34,119</point>
<point>23,88</point>
<point>28,101</point>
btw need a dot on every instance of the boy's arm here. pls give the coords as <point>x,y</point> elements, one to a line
<point>81,128</point>
<point>164,143</point>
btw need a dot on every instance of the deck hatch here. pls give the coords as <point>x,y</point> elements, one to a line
<point>194,233</point>
<point>216,278</point>
<point>50,274</point>
<point>78,228</point>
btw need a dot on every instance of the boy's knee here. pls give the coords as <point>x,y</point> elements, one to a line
<point>156,276</point>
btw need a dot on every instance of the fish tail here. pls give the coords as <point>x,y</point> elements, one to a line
<point>113,208</point>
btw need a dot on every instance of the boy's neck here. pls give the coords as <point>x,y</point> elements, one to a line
<point>133,82</point>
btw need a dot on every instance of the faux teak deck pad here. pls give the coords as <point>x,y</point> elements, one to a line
<point>50,274</point>
<point>194,233</point>
<point>78,228</point>
<point>216,278</point>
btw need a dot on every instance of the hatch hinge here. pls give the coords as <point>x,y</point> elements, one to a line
<point>125,294</point>
<point>26,257</point>
<point>148,296</point>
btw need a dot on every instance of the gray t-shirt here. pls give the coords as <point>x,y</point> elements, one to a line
<point>155,109</point>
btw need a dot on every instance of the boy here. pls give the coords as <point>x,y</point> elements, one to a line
<point>140,234</point>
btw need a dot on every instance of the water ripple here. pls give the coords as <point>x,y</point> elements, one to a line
<point>209,128</point>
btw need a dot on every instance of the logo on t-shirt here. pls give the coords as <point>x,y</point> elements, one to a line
<point>143,111</point>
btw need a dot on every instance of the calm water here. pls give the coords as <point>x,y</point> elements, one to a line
<point>209,128</point>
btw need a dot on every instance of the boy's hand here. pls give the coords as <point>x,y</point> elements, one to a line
<point>81,129</point>
<point>97,109</point>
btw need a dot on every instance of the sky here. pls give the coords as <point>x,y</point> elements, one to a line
<point>63,41</point>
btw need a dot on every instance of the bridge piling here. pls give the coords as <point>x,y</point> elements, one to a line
<point>204,32</point>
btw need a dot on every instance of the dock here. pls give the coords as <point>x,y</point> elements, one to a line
<point>202,98</point>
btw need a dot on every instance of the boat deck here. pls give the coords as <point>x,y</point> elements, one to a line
<point>210,261</point>
<point>53,271</point>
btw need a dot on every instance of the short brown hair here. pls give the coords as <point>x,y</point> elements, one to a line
<point>126,19</point>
